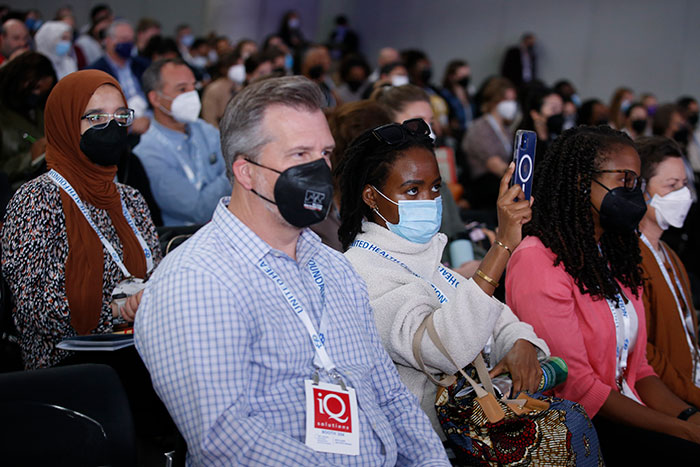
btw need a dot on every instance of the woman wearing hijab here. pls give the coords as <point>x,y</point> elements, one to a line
<point>72,236</point>
<point>54,39</point>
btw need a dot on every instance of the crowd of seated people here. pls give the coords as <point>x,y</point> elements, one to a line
<point>115,130</point>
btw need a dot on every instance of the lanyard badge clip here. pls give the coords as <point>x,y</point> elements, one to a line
<point>339,379</point>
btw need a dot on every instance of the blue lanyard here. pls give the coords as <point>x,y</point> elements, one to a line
<point>70,191</point>
<point>446,274</point>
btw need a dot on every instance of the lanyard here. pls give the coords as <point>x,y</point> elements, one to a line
<point>623,331</point>
<point>195,180</point>
<point>446,274</point>
<point>65,186</point>
<point>318,339</point>
<point>688,333</point>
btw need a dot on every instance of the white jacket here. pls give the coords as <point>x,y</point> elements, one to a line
<point>401,301</point>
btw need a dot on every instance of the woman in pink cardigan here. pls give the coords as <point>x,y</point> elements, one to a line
<point>576,279</point>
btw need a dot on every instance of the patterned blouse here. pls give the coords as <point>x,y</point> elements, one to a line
<point>34,252</point>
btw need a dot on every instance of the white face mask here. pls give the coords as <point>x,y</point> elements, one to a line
<point>507,109</point>
<point>199,61</point>
<point>185,107</point>
<point>237,73</point>
<point>399,80</point>
<point>139,105</point>
<point>672,208</point>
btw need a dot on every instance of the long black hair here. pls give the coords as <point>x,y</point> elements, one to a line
<point>367,161</point>
<point>19,76</point>
<point>562,217</point>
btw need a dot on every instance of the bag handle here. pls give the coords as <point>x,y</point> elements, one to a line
<point>485,398</point>
<point>479,363</point>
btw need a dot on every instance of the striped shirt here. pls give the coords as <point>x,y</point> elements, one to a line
<point>229,357</point>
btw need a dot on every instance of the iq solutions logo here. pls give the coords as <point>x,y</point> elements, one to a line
<point>332,410</point>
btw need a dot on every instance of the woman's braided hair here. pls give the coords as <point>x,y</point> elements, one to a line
<point>562,213</point>
<point>367,161</point>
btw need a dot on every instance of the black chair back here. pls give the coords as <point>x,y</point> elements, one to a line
<point>73,415</point>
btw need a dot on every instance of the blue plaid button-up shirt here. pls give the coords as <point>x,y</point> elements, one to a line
<point>229,357</point>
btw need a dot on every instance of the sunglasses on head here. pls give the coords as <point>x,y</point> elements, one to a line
<point>395,133</point>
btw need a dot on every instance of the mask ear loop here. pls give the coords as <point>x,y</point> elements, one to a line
<point>376,211</point>
<point>374,208</point>
<point>162,108</point>
<point>268,168</point>
<point>385,196</point>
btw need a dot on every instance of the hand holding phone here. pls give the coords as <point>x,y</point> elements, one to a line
<point>524,159</point>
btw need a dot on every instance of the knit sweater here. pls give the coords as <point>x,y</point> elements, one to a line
<point>401,301</point>
<point>667,346</point>
<point>578,328</point>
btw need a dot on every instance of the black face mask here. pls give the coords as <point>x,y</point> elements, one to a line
<point>425,75</point>
<point>315,72</point>
<point>105,146</point>
<point>639,125</point>
<point>354,85</point>
<point>32,100</point>
<point>602,121</point>
<point>621,210</point>
<point>555,123</point>
<point>304,192</point>
<point>681,136</point>
<point>693,120</point>
<point>464,82</point>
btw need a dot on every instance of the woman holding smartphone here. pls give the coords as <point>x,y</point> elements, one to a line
<point>391,211</point>
<point>576,278</point>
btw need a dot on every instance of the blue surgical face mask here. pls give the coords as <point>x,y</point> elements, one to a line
<point>419,220</point>
<point>62,48</point>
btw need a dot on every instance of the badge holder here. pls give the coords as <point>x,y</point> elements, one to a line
<point>331,416</point>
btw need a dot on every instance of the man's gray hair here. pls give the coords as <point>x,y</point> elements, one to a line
<point>241,125</point>
<point>152,79</point>
<point>110,32</point>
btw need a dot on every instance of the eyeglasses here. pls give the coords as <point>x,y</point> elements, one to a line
<point>632,180</point>
<point>123,117</point>
<point>395,133</point>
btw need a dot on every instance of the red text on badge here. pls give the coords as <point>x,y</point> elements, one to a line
<point>332,410</point>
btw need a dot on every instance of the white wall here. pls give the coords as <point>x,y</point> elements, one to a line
<point>598,44</point>
<point>649,45</point>
<point>170,13</point>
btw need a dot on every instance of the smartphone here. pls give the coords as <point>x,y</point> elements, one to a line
<point>524,158</point>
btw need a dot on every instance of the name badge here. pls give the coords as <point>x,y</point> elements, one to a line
<point>331,419</point>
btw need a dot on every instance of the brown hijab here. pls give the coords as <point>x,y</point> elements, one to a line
<point>94,185</point>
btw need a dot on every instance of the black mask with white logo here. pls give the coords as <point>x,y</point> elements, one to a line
<point>621,209</point>
<point>104,147</point>
<point>303,193</point>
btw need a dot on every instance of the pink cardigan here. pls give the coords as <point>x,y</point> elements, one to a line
<point>576,327</point>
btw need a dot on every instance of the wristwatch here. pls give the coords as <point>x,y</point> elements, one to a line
<point>685,415</point>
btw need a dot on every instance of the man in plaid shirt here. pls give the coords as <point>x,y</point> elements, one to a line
<point>220,325</point>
